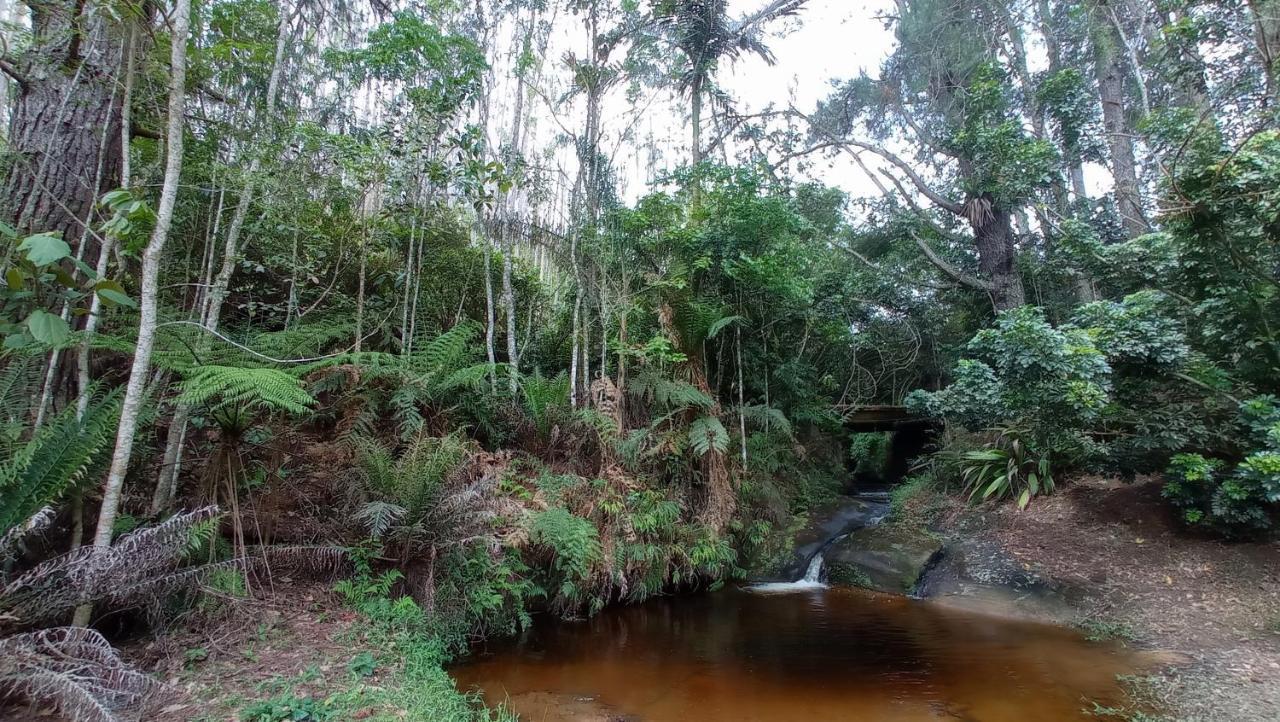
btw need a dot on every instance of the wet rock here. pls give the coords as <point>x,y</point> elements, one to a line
<point>825,524</point>
<point>884,558</point>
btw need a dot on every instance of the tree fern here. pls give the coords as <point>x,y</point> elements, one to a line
<point>229,390</point>
<point>668,393</point>
<point>768,417</point>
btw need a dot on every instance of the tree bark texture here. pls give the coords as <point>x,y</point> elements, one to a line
<point>65,100</point>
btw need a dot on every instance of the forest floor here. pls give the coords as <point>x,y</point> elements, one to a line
<point>1148,582</point>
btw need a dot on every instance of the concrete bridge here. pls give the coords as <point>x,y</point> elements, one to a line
<point>881,418</point>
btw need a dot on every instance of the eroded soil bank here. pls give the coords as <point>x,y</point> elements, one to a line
<point>1126,570</point>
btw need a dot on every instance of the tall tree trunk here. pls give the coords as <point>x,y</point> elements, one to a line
<point>695,121</point>
<point>66,99</point>
<point>1109,71</point>
<point>1266,26</point>
<point>131,407</point>
<point>490,315</point>
<point>210,313</point>
<point>997,255</point>
<point>509,308</point>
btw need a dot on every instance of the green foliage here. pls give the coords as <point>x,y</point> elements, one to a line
<point>574,547</point>
<point>1137,334</point>
<point>1051,383</point>
<point>545,400</point>
<point>55,458</point>
<point>1007,468</point>
<point>707,434</point>
<point>235,395</point>
<point>289,708</point>
<point>1240,501</point>
<point>870,453</point>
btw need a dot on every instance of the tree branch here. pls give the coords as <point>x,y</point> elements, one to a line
<point>937,198</point>
<point>943,265</point>
<point>12,71</point>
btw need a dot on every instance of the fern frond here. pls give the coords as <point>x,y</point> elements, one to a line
<point>264,389</point>
<point>707,434</point>
<point>763,416</point>
<point>57,457</point>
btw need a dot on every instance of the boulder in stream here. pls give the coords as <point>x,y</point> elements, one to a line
<point>889,558</point>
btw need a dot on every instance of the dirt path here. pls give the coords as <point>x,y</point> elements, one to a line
<point>1218,603</point>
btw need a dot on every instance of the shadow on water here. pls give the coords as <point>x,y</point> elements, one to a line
<point>820,654</point>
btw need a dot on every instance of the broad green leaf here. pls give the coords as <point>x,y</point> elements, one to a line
<point>14,278</point>
<point>112,297</point>
<point>44,248</point>
<point>17,340</point>
<point>47,328</point>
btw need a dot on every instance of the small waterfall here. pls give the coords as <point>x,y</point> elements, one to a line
<point>812,580</point>
<point>813,574</point>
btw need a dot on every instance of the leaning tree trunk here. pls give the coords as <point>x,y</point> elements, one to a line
<point>135,390</point>
<point>65,101</point>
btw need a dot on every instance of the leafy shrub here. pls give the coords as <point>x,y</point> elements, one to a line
<point>1007,468</point>
<point>870,453</point>
<point>288,708</point>
<point>1051,383</point>
<point>1136,333</point>
<point>1243,500</point>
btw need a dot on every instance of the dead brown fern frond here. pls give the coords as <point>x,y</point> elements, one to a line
<point>76,670</point>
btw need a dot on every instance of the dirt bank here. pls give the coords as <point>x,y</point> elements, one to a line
<point>1145,578</point>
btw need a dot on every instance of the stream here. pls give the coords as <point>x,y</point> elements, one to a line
<point>798,650</point>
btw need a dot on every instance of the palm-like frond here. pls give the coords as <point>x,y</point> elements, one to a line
<point>235,390</point>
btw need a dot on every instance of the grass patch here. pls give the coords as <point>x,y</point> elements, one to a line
<point>1102,630</point>
<point>917,501</point>
<point>1145,697</point>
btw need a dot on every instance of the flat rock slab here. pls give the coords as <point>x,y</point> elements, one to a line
<point>888,558</point>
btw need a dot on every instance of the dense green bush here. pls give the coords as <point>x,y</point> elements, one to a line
<point>1052,383</point>
<point>1240,500</point>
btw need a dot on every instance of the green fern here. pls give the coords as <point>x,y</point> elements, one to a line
<point>19,384</point>
<point>707,434</point>
<point>670,394</point>
<point>233,395</point>
<point>544,399</point>
<point>58,456</point>
<point>768,417</point>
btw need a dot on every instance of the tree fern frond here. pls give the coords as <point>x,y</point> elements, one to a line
<point>707,434</point>
<point>262,389</point>
<point>764,416</point>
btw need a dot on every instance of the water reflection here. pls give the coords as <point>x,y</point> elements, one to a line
<point>835,654</point>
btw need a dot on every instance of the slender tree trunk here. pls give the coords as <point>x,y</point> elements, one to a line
<point>509,307</point>
<point>131,407</point>
<point>210,314</point>
<point>490,315</point>
<point>695,121</point>
<point>1109,72</point>
<point>364,262</point>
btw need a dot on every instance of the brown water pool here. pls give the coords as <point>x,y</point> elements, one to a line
<point>817,654</point>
